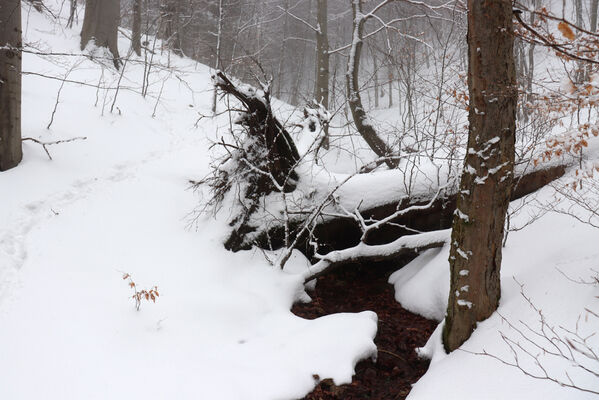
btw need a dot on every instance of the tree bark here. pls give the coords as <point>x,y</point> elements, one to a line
<point>11,151</point>
<point>486,183</point>
<point>100,23</point>
<point>136,28</point>
<point>594,4</point>
<point>218,53</point>
<point>321,92</point>
<point>363,124</point>
<point>375,76</point>
<point>72,13</point>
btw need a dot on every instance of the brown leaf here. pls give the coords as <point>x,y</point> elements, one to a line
<point>566,31</point>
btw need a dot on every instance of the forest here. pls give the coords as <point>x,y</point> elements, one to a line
<point>299,199</point>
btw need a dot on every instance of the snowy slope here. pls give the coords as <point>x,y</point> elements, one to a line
<point>545,258</point>
<point>118,202</point>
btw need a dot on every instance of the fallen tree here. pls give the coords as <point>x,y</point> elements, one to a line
<point>261,168</point>
<point>393,235</point>
<point>343,232</point>
<point>261,161</point>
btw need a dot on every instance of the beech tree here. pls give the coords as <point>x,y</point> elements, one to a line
<point>10,84</point>
<point>100,23</point>
<point>486,182</point>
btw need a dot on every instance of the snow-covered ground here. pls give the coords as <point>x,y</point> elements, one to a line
<point>545,258</point>
<point>119,202</point>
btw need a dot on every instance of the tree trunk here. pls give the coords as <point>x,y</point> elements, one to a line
<point>363,124</point>
<point>581,73</point>
<point>11,151</point>
<point>136,28</point>
<point>375,75</point>
<point>218,55</point>
<point>321,92</point>
<point>482,203</point>
<point>38,5</point>
<point>594,4</point>
<point>531,63</point>
<point>72,13</point>
<point>390,81</point>
<point>280,70</point>
<point>100,23</point>
<point>171,21</point>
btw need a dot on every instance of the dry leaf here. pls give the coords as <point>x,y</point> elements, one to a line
<point>566,31</point>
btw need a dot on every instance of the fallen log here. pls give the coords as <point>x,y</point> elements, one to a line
<point>392,240</point>
<point>343,232</point>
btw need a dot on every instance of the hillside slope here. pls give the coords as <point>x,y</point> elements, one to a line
<point>119,201</point>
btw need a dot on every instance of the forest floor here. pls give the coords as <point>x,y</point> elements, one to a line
<point>399,332</point>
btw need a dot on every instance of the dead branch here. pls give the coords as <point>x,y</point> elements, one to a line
<point>45,144</point>
<point>363,253</point>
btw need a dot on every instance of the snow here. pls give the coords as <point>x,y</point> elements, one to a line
<point>538,257</point>
<point>119,202</point>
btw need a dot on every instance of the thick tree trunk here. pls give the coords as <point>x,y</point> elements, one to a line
<point>363,124</point>
<point>10,84</point>
<point>136,28</point>
<point>486,184</point>
<point>171,35</point>
<point>100,23</point>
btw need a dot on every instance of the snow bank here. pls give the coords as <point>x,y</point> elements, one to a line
<point>537,257</point>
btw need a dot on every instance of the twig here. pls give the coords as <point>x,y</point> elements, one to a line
<point>44,144</point>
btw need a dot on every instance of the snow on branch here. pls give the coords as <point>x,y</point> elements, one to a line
<point>370,253</point>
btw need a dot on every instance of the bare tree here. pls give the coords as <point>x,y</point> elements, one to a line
<point>593,11</point>
<point>363,125</point>
<point>11,151</point>
<point>100,24</point>
<point>136,28</point>
<point>72,13</point>
<point>478,223</point>
<point>219,34</point>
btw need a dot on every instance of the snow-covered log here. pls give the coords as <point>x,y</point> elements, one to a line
<point>363,253</point>
<point>343,232</point>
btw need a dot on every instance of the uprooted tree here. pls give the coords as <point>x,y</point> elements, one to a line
<point>262,160</point>
<point>261,166</point>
